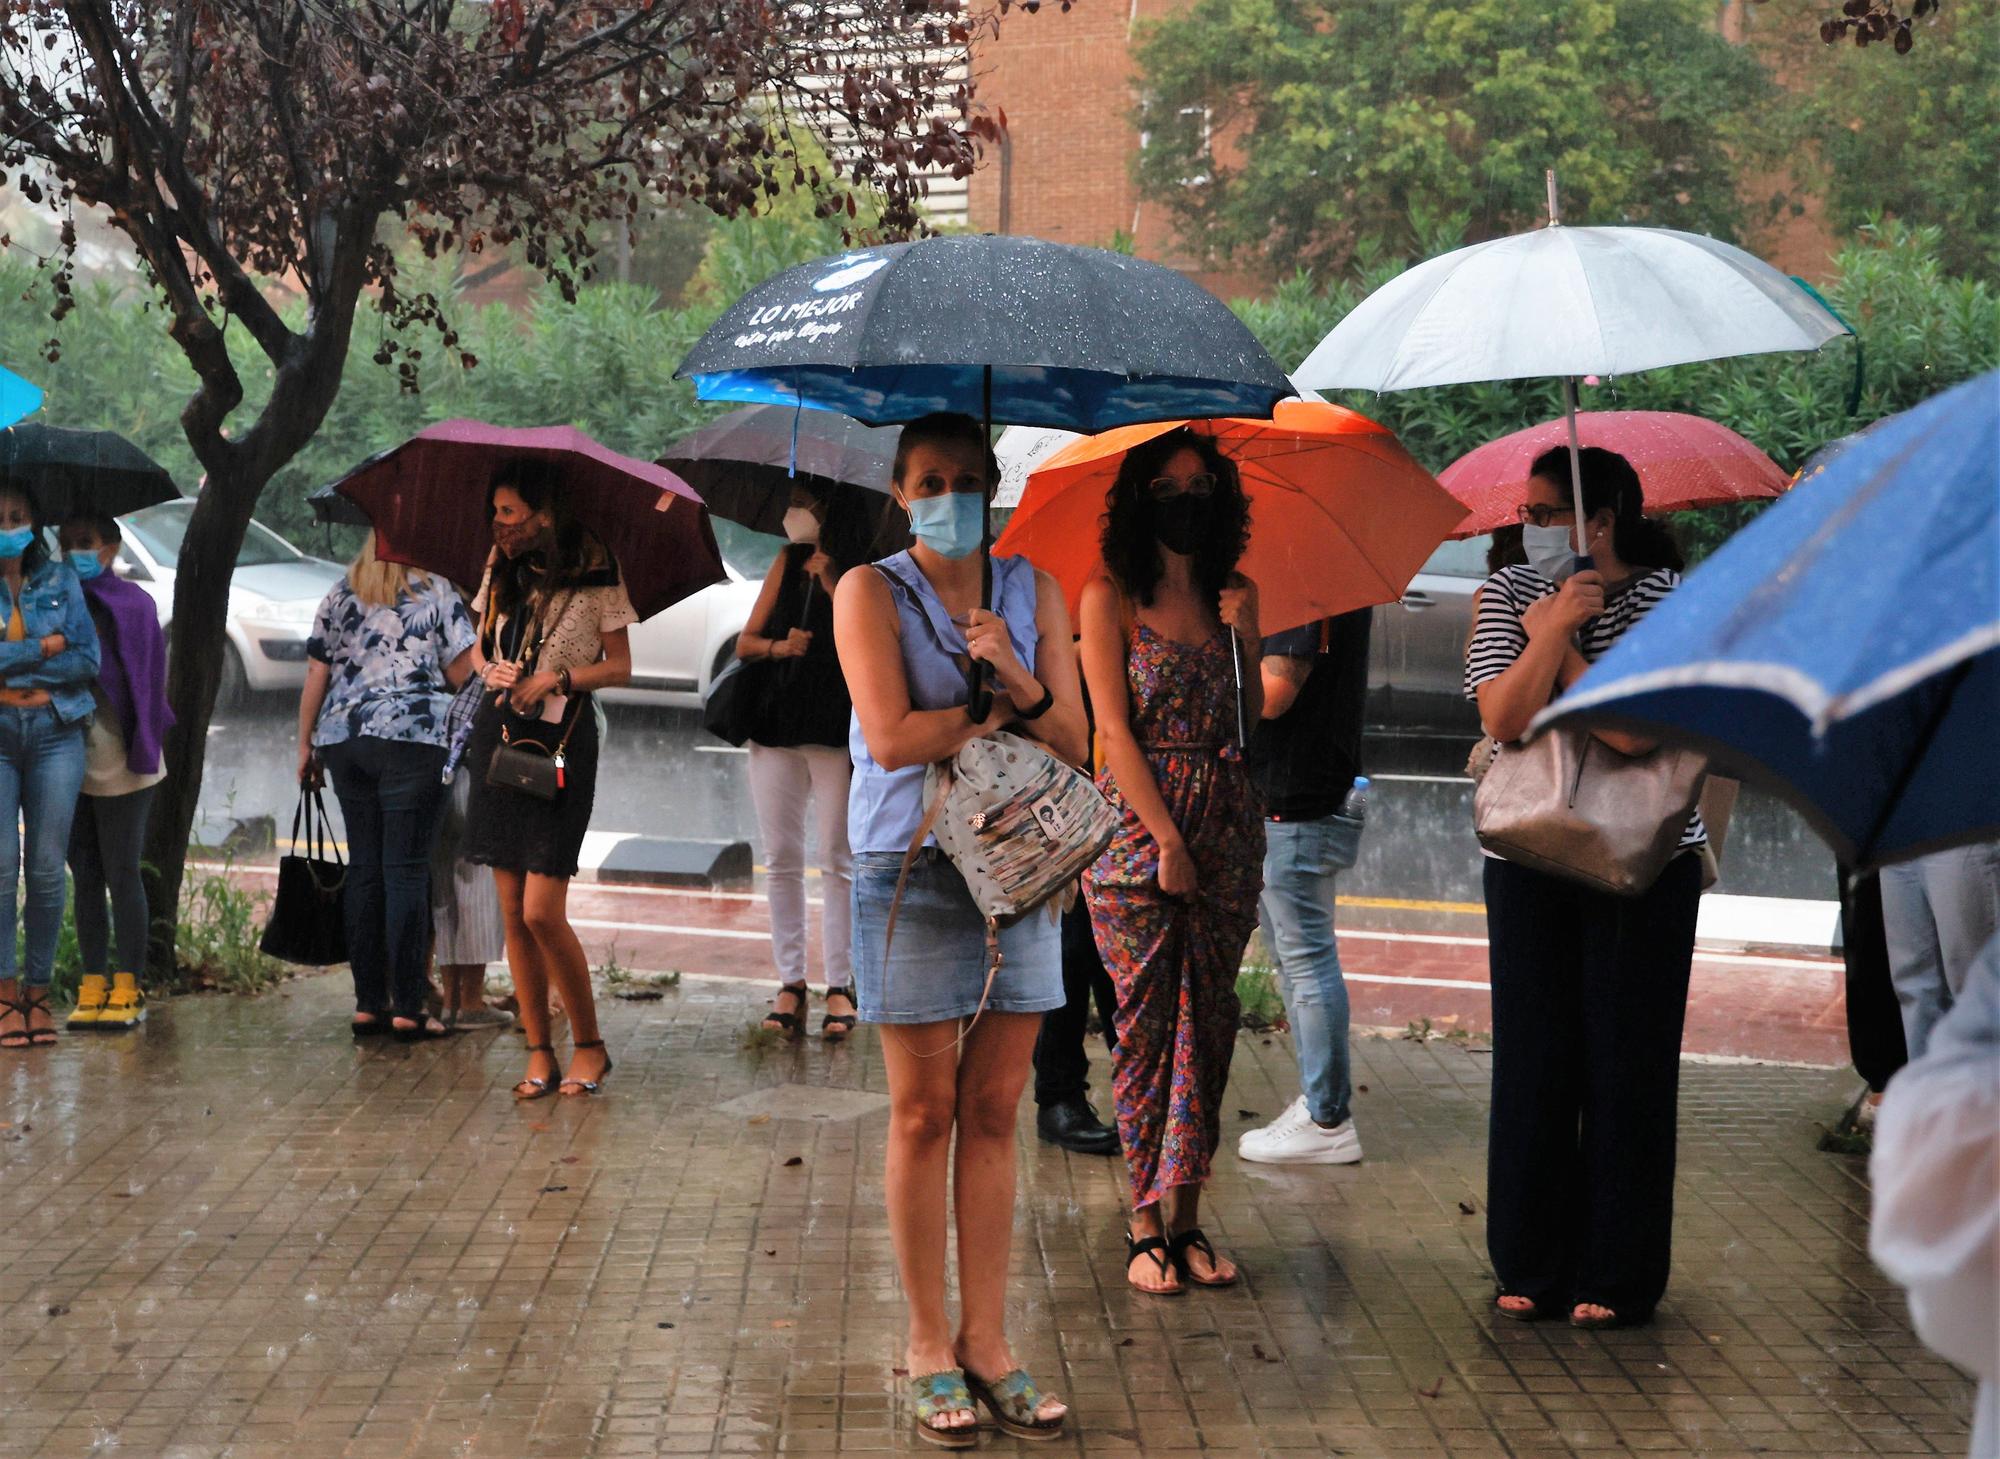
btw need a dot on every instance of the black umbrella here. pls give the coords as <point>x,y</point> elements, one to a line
<point>71,471</point>
<point>746,463</point>
<point>1018,331</point>
<point>331,509</point>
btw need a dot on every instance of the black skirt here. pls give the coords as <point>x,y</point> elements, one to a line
<point>513,831</point>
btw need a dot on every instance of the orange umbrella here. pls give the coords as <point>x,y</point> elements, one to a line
<point>1341,516</point>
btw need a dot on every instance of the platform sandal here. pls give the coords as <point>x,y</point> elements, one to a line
<point>1193,1239</point>
<point>936,1394</point>
<point>792,1025</point>
<point>538,1088</point>
<point>836,1026</point>
<point>1531,1313</point>
<point>586,1086</point>
<point>1015,1402</point>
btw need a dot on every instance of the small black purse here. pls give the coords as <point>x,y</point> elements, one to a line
<point>529,766</point>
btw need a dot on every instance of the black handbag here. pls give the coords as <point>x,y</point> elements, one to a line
<point>526,764</point>
<point>308,920</point>
<point>729,709</point>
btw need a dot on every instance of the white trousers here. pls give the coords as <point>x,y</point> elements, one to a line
<point>1938,912</point>
<point>782,782</point>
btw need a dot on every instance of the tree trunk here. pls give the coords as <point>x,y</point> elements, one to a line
<point>194,670</point>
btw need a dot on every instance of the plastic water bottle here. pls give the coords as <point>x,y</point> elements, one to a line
<point>1355,807</point>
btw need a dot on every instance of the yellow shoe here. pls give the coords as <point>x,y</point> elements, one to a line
<point>91,995</point>
<point>126,1007</point>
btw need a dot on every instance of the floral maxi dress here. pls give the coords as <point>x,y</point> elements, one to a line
<point>1175,961</point>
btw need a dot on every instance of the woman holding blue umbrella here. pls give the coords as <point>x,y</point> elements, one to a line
<point>908,629</point>
<point>1589,988</point>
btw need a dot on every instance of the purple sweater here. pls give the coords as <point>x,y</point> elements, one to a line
<point>133,667</point>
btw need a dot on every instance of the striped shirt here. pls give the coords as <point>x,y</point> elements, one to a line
<point>1498,636</point>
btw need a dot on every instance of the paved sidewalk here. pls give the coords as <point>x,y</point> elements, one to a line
<point>238,1234</point>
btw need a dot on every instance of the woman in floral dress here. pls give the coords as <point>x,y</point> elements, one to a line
<point>1174,899</point>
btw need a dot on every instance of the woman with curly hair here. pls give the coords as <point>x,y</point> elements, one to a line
<point>1174,899</point>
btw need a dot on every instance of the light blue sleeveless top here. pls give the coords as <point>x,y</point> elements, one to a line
<point>884,807</point>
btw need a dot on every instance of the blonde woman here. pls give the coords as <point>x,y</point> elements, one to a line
<point>388,647</point>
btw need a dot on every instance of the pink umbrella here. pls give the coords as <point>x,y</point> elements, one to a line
<point>1683,461</point>
<point>427,502</point>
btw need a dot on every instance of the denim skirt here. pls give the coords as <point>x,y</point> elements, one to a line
<point>936,969</point>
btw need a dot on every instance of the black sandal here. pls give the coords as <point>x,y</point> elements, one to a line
<point>38,1038</point>
<point>1162,1254</point>
<point>539,1087</point>
<point>837,1026</point>
<point>376,1026</point>
<point>588,1086</point>
<point>1194,1239</point>
<point>791,1025</point>
<point>422,1031</point>
<point>15,1038</point>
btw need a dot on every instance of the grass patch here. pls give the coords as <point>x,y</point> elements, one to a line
<point>1263,1006</point>
<point>217,932</point>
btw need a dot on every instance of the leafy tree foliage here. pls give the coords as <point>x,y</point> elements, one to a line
<point>1306,133</point>
<point>1916,136</point>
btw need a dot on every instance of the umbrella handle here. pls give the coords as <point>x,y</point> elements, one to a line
<point>979,703</point>
<point>1236,664</point>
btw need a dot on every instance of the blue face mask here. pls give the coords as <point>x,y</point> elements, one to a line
<point>1551,550</point>
<point>950,525</point>
<point>87,564</point>
<point>15,542</point>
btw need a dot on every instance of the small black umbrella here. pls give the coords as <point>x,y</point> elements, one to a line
<point>331,509</point>
<point>71,471</point>
<point>1018,331</point>
<point>746,463</point>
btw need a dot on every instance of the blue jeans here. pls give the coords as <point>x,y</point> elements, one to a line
<point>41,775</point>
<point>390,792</point>
<point>1302,860</point>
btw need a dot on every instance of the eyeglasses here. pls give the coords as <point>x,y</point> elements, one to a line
<point>1535,514</point>
<point>1200,484</point>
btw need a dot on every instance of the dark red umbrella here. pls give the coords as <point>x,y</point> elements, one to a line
<point>427,502</point>
<point>1683,461</point>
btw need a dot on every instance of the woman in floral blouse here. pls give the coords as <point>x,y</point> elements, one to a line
<point>388,647</point>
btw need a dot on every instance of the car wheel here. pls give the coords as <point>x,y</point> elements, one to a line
<point>234,686</point>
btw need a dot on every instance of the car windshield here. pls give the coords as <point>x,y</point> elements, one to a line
<point>1465,559</point>
<point>161,530</point>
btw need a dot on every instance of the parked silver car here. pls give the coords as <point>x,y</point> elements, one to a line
<point>274,593</point>
<point>1416,659</point>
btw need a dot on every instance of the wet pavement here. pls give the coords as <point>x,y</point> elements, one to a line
<point>662,774</point>
<point>235,1234</point>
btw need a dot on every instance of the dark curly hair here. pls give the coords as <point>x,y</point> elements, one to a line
<point>1131,551</point>
<point>38,549</point>
<point>1610,481</point>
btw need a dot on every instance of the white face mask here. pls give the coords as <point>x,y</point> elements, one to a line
<point>801,525</point>
<point>1551,550</point>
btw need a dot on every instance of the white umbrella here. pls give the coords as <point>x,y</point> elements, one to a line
<point>1567,302</point>
<point>1021,449</point>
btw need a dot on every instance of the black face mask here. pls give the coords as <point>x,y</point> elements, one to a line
<point>1179,522</point>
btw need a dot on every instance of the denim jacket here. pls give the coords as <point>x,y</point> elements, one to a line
<point>53,602</point>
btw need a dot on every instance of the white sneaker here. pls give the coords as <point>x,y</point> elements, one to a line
<point>1294,1139</point>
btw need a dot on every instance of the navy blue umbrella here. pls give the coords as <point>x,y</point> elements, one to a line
<point>1844,648</point>
<point>1018,331</point>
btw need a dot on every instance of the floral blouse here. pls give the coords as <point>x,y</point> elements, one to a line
<point>386,665</point>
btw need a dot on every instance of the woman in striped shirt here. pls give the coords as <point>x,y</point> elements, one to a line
<point>1589,989</point>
